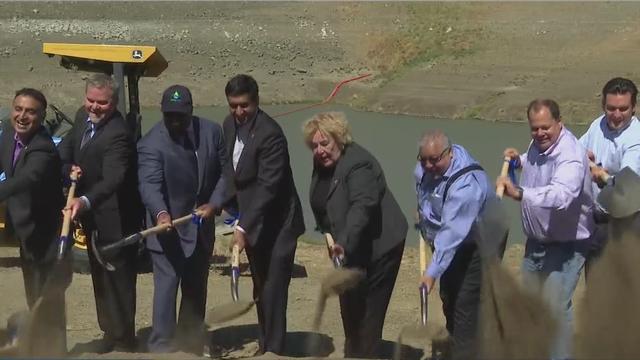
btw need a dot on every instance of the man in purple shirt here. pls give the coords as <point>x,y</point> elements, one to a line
<point>557,213</point>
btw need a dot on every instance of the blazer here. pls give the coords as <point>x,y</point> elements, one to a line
<point>167,182</point>
<point>109,176</point>
<point>33,191</point>
<point>262,187</point>
<point>364,217</point>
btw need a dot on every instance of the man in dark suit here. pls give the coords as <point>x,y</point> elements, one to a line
<point>270,215</point>
<point>33,194</point>
<point>180,162</point>
<point>101,146</point>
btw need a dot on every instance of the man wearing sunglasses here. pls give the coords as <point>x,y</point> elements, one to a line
<point>452,190</point>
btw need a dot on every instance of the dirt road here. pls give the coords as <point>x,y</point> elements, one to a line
<point>238,338</point>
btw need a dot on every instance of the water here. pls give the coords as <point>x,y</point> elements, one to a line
<point>393,140</point>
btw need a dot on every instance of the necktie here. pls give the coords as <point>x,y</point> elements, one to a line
<point>88,133</point>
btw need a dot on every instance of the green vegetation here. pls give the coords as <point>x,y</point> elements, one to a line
<point>430,31</point>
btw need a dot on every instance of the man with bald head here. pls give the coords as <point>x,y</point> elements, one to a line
<point>555,195</point>
<point>452,190</point>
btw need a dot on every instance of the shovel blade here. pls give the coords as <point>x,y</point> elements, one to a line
<point>424,305</point>
<point>235,277</point>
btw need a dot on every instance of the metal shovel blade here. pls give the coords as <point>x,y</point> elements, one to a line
<point>424,305</point>
<point>235,276</point>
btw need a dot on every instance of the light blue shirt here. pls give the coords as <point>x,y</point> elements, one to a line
<point>614,149</point>
<point>450,224</point>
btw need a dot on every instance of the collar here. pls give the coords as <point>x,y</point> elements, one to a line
<point>20,141</point>
<point>620,130</point>
<point>251,120</point>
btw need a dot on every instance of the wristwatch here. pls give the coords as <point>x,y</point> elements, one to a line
<point>520,192</point>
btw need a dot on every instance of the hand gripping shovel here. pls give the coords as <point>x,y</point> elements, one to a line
<point>25,331</point>
<point>503,172</point>
<point>237,308</point>
<point>336,282</point>
<point>101,251</point>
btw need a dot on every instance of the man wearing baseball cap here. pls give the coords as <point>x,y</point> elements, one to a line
<point>180,165</point>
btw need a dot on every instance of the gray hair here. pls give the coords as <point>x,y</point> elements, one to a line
<point>102,81</point>
<point>434,137</point>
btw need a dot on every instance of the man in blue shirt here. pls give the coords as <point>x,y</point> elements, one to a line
<point>452,191</point>
<point>613,143</point>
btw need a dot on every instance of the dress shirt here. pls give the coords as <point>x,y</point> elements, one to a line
<point>450,223</point>
<point>557,202</point>
<point>613,149</point>
<point>19,146</point>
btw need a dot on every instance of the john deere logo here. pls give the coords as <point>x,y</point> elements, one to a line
<point>176,97</point>
<point>136,54</point>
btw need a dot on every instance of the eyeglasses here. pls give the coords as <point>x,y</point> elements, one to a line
<point>434,160</point>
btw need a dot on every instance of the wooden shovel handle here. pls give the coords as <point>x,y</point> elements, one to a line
<point>602,177</point>
<point>163,227</point>
<point>503,172</point>
<point>423,254</point>
<point>235,256</point>
<point>66,222</point>
<point>329,239</point>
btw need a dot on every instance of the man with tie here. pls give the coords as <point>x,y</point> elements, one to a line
<point>180,162</point>
<point>33,194</point>
<point>261,188</point>
<point>100,145</point>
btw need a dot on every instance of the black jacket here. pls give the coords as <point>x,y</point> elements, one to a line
<point>32,191</point>
<point>109,176</point>
<point>364,217</point>
<point>262,185</point>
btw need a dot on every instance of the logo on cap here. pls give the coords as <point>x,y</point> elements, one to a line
<point>136,54</point>
<point>176,96</point>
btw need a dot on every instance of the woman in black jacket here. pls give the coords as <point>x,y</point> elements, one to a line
<point>351,201</point>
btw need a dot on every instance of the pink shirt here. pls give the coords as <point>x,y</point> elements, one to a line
<point>557,201</point>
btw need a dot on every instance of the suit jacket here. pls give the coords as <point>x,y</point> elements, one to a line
<point>109,176</point>
<point>262,186</point>
<point>169,182</point>
<point>364,217</point>
<point>33,191</point>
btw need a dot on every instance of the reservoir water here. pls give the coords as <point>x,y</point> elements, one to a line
<point>392,139</point>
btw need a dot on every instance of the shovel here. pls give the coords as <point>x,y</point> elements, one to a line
<point>503,172</point>
<point>237,308</point>
<point>336,282</point>
<point>100,251</point>
<point>25,324</point>
<point>424,296</point>
<point>340,279</point>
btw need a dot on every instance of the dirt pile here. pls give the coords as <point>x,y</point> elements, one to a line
<point>610,319</point>
<point>514,324</point>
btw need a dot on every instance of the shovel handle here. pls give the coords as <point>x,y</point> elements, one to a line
<point>337,261</point>
<point>423,254</point>
<point>602,177</point>
<point>235,256</point>
<point>503,172</point>
<point>163,227</point>
<point>66,221</point>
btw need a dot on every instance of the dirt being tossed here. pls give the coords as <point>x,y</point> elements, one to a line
<point>610,320</point>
